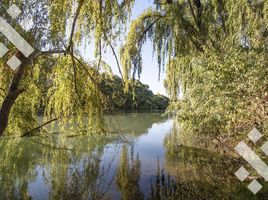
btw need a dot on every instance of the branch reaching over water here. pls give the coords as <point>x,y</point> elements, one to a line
<point>74,23</point>
<point>114,53</point>
<point>28,133</point>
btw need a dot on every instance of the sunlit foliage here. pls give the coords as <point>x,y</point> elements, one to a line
<point>215,56</point>
<point>61,29</point>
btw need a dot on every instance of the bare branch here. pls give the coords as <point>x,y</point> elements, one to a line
<point>28,133</point>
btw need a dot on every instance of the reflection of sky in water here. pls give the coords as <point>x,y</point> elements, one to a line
<point>38,189</point>
<point>147,141</point>
<point>103,164</point>
<point>149,146</point>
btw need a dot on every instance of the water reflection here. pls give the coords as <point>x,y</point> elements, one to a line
<point>134,124</point>
<point>68,170</point>
<point>155,166</point>
<point>128,175</point>
<point>197,173</point>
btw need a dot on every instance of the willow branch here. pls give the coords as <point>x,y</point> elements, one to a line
<point>4,91</point>
<point>114,53</point>
<point>52,52</point>
<point>100,42</point>
<point>85,68</point>
<point>192,12</point>
<point>166,3</point>
<point>75,82</point>
<point>221,16</point>
<point>100,56</point>
<point>148,28</point>
<point>74,23</point>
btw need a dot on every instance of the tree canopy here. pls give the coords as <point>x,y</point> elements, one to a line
<point>59,29</point>
<point>138,98</point>
<point>215,53</point>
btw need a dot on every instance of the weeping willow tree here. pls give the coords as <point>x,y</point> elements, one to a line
<point>59,29</point>
<point>215,56</point>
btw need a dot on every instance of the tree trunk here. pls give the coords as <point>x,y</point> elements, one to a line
<point>14,90</point>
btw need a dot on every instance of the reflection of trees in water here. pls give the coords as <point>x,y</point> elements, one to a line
<point>133,123</point>
<point>70,179</point>
<point>14,174</point>
<point>194,173</point>
<point>128,176</point>
<point>184,181</point>
<point>71,168</point>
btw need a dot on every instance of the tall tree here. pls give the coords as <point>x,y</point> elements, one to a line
<point>216,54</point>
<point>59,29</point>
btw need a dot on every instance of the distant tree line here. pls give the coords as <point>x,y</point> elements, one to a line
<point>137,97</point>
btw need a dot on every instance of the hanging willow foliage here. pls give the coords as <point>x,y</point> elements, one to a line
<point>59,30</point>
<point>216,53</point>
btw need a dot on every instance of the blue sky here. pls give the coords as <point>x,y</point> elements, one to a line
<point>150,69</point>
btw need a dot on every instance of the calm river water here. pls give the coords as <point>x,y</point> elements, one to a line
<point>144,161</point>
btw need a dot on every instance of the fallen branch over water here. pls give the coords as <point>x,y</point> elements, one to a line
<point>28,133</point>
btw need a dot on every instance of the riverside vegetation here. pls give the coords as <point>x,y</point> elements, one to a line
<point>215,57</point>
<point>214,53</point>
